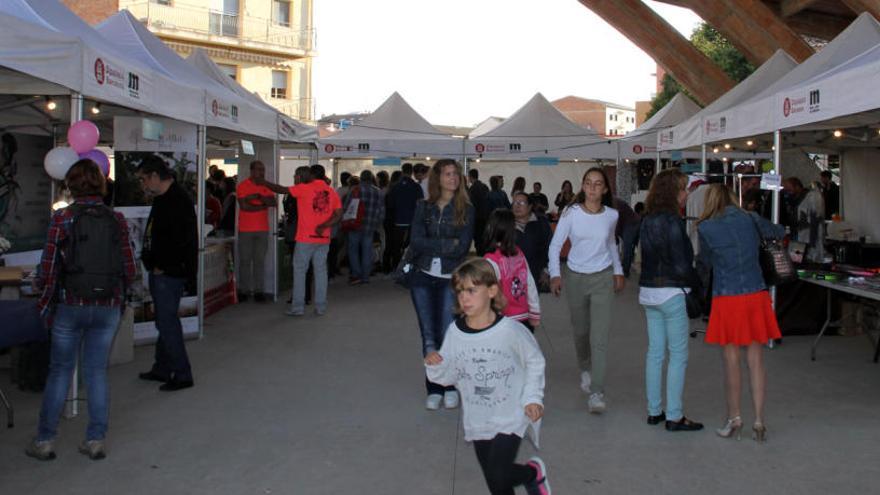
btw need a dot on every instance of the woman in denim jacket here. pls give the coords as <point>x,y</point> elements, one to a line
<point>742,314</point>
<point>440,238</point>
<point>667,272</point>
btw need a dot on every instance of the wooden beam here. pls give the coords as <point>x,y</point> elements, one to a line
<point>644,27</point>
<point>818,25</point>
<point>859,6</point>
<point>752,27</point>
<point>792,7</point>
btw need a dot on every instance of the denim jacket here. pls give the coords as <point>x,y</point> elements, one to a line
<point>729,245</point>
<point>433,234</point>
<point>667,254</point>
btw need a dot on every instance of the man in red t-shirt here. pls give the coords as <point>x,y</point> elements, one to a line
<point>254,201</point>
<point>318,209</point>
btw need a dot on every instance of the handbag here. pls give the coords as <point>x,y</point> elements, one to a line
<point>694,303</point>
<point>405,270</point>
<point>776,264</point>
<point>353,216</point>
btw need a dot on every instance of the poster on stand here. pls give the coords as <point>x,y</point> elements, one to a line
<point>25,190</point>
<point>177,145</point>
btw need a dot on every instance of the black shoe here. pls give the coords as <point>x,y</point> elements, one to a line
<point>656,420</point>
<point>259,297</point>
<point>683,424</point>
<point>152,376</point>
<point>175,385</point>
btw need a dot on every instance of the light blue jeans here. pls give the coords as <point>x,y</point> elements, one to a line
<point>303,254</point>
<point>667,330</point>
<point>90,328</point>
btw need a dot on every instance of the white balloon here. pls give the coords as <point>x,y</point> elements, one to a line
<point>59,160</point>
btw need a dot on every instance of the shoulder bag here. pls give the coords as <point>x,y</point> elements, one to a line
<point>776,264</point>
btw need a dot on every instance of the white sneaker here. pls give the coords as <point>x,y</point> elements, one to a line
<point>597,403</point>
<point>432,403</point>
<point>586,381</point>
<point>450,399</point>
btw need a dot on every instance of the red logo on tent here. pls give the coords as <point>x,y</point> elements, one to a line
<point>99,71</point>
<point>329,148</point>
<point>786,107</point>
<point>480,148</point>
<point>637,149</point>
<point>215,108</point>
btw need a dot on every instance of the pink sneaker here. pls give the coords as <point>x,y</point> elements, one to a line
<point>540,486</point>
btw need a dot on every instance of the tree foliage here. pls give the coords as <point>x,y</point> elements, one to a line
<point>719,50</point>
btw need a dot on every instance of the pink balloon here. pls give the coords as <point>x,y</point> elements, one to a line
<point>83,136</point>
<point>100,158</point>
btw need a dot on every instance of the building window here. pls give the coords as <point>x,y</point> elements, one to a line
<point>281,12</point>
<point>279,84</point>
<point>229,70</point>
<point>224,22</point>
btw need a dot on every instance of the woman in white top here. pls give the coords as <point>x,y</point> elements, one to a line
<point>592,274</point>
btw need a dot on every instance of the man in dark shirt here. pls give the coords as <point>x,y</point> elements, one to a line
<point>539,199</point>
<point>170,256</point>
<point>831,193</point>
<point>479,194</point>
<point>627,232</point>
<point>403,200</point>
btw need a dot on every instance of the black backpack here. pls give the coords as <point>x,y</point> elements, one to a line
<point>93,254</point>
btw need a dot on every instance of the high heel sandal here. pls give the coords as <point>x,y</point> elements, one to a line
<point>759,432</point>
<point>733,427</point>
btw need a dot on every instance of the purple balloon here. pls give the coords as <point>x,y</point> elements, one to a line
<point>100,158</point>
<point>83,136</point>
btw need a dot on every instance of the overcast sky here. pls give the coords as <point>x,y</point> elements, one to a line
<point>458,62</point>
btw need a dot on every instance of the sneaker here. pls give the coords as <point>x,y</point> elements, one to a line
<point>432,403</point>
<point>597,403</point>
<point>586,381</point>
<point>450,399</point>
<point>43,450</point>
<point>93,448</point>
<point>291,312</point>
<point>540,485</point>
<point>320,312</point>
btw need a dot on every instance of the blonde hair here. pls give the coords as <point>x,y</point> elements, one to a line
<point>460,199</point>
<point>479,272</point>
<point>718,197</point>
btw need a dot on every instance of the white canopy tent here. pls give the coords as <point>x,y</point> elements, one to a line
<point>485,126</point>
<point>394,130</point>
<point>642,142</point>
<point>754,117</point>
<point>689,134</point>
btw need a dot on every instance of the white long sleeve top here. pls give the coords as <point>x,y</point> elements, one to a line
<point>593,246</point>
<point>498,371</point>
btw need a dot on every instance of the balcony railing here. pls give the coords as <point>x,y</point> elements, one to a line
<point>298,108</point>
<point>223,25</point>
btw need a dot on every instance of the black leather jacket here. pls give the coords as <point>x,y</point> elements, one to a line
<point>667,253</point>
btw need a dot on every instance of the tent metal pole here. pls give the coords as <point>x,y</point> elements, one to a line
<point>276,178</point>
<point>777,196</point>
<point>71,409</point>
<point>704,164</point>
<point>202,160</point>
<point>659,166</point>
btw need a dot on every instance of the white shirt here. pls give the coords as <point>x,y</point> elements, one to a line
<point>593,246</point>
<point>655,296</point>
<point>497,371</point>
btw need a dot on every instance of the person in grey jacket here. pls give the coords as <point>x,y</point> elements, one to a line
<point>441,234</point>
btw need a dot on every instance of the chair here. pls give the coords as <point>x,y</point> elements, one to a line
<point>21,325</point>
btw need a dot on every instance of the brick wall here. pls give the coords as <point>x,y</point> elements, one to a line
<point>583,112</point>
<point>92,11</point>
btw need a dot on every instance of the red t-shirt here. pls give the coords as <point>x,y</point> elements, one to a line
<point>253,221</point>
<point>315,204</point>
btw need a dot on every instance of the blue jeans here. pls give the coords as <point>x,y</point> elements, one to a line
<point>667,330</point>
<point>360,254</point>
<point>303,254</point>
<point>432,298</point>
<point>93,328</point>
<point>171,360</point>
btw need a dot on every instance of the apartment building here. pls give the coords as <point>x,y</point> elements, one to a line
<point>265,45</point>
<point>607,119</point>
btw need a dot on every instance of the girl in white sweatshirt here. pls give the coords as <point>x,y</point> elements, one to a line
<point>497,367</point>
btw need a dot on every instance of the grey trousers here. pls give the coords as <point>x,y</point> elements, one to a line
<point>303,254</point>
<point>252,247</point>
<point>589,298</point>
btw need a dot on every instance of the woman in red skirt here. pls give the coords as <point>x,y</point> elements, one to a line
<point>742,315</point>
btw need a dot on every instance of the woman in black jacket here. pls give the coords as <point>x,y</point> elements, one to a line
<point>667,272</point>
<point>441,234</point>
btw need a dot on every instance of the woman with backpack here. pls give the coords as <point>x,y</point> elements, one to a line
<point>86,266</point>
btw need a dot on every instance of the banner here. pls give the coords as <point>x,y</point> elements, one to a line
<point>25,190</point>
<point>177,146</point>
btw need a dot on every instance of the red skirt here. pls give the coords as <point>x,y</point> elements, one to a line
<point>742,319</point>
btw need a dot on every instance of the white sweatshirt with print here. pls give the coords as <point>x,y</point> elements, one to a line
<point>497,371</point>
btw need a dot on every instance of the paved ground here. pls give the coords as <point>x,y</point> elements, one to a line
<point>334,405</point>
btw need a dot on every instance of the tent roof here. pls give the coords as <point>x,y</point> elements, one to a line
<point>677,110</point>
<point>395,117</point>
<point>485,126</point>
<point>538,118</point>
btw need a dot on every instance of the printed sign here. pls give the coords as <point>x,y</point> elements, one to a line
<point>479,148</point>
<point>771,182</point>
<point>543,161</point>
<point>174,135</point>
<point>329,148</point>
<point>115,81</point>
